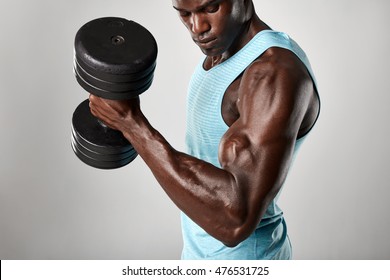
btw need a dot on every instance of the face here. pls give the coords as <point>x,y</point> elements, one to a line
<point>215,25</point>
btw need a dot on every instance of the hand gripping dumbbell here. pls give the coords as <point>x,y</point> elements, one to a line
<point>114,58</point>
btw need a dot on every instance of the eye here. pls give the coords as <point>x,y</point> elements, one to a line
<point>212,8</point>
<point>184,13</point>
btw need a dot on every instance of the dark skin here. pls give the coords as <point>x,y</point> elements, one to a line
<point>267,108</point>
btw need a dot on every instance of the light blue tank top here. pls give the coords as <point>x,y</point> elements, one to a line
<point>205,128</point>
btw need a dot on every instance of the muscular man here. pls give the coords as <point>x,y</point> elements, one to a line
<point>251,102</point>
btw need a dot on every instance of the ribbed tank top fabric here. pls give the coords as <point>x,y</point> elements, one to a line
<point>205,128</point>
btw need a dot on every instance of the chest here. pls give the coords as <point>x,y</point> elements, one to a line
<point>212,102</point>
<point>229,105</point>
<point>211,109</point>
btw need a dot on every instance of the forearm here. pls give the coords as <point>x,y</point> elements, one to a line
<point>207,194</point>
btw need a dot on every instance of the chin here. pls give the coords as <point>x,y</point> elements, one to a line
<point>211,51</point>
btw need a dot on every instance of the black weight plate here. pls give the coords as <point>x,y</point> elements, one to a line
<point>102,164</point>
<point>115,86</point>
<point>99,149</point>
<point>108,90</point>
<point>103,150</point>
<point>115,46</point>
<point>89,131</point>
<point>112,95</point>
<point>114,77</point>
<point>101,156</point>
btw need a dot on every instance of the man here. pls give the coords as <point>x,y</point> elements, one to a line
<point>251,102</point>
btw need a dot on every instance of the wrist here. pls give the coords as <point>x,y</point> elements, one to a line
<point>133,124</point>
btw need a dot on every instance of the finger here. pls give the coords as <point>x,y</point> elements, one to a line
<point>99,105</point>
<point>96,108</point>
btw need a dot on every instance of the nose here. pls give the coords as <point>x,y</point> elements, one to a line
<point>199,24</point>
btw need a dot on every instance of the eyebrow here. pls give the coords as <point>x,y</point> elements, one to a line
<point>209,3</point>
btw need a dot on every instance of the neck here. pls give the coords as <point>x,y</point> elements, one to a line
<point>249,30</point>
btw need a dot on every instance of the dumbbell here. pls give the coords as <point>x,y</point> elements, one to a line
<point>114,58</point>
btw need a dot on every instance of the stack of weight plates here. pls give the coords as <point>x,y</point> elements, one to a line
<point>97,145</point>
<point>114,58</point>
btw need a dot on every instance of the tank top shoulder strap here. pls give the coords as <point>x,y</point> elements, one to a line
<point>261,42</point>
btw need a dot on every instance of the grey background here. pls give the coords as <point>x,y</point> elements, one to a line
<point>52,206</point>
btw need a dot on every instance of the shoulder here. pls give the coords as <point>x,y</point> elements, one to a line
<point>277,67</point>
<point>276,91</point>
<point>277,77</point>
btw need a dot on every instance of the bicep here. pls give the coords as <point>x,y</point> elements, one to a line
<point>258,148</point>
<point>259,169</point>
